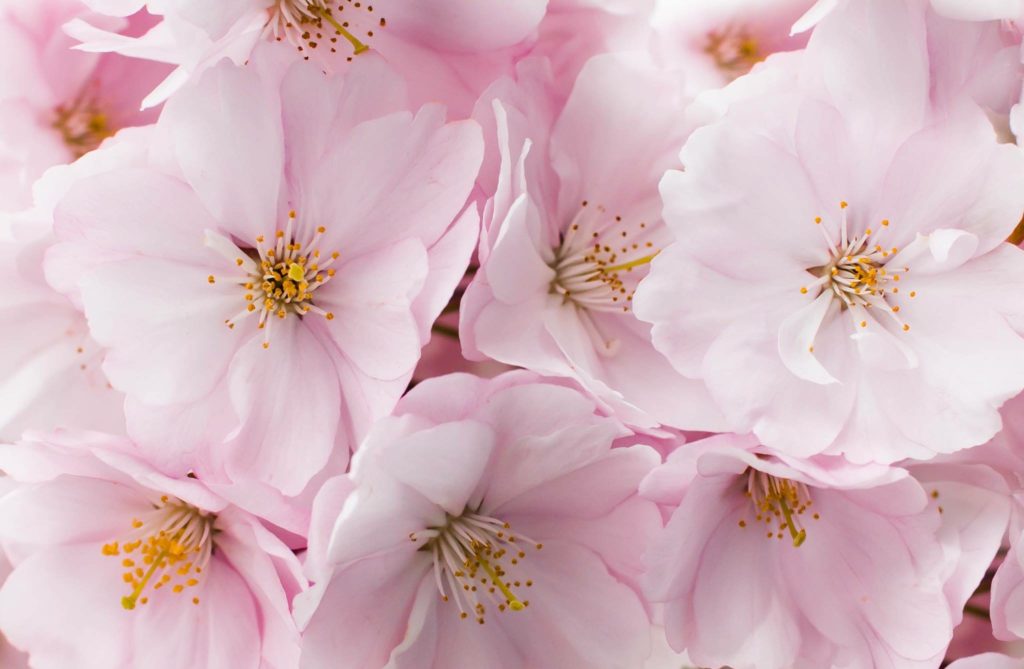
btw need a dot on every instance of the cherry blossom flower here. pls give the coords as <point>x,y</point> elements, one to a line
<point>569,234</point>
<point>773,563</point>
<point>491,524</point>
<point>116,565</point>
<point>822,243</point>
<point>57,104</point>
<point>447,43</point>
<point>299,241</point>
<point>715,41</point>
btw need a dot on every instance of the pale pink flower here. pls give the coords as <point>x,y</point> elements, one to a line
<point>768,563</point>
<point>839,274</point>
<point>491,524</point>
<point>569,233</point>
<point>298,243</point>
<point>57,104</point>
<point>450,49</point>
<point>116,565</point>
<point>715,41</point>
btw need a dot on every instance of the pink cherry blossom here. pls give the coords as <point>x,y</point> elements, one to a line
<point>299,241</point>
<point>57,104</point>
<point>824,246</point>
<point>569,234</point>
<point>715,41</point>
<point>491,524</point>
<point>772,563</point>
<point>447,44</point>
<point>116,565</point>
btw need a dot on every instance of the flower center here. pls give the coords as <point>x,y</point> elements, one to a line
<point>860,273</point>
<point>166,548</point>
<point>477,557</point>
<point>734,51</point>
<point>594,266</point>
<point>779,504</point>
<point>312,24</point>
<point>280,278</point>
<point>82,125</point>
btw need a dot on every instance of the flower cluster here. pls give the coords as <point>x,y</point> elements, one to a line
<point>512,334</point>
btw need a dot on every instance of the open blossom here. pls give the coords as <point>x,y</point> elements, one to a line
<point>118,566</point>
<point>569,233</point>
<point>715,41</point>
<point>298,242</point>
<point>57,104</point>
<point>768,563</point>
<point>446,44</point>
<point>838,274</point>
<point>491,523</point>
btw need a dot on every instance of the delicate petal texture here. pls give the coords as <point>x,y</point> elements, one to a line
<point>529,467</point>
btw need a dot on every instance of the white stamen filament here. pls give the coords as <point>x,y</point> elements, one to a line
<point>475,554</point>
<point>594,267</point>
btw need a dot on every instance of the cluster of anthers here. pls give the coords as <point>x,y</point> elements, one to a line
<point>779,504</point>
<point>168,548</point>
<point>313,25</point>
<point>82,124</point>
<point>594,265</point>
<point>474,557</point>
<point>281,278</point>
<point>859,274</point>
<point>733,50</point>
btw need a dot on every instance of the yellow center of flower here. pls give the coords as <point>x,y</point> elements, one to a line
<point>780,504</point>
<point>82,125</point>
<point>279,278</point>
<point>477,557</point>
<point>313,25</point>
<point>860,274</point>
<point>167,549</point>
<point>733,50</point>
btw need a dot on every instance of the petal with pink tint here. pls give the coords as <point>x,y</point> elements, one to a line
<point>221,628</point>
<point>381,204</point>
<point>362,611</point>
<point>50,513</point>
<point>268,447</point>
<point>233,161</point>
<point>370,298</point>
<point>149,357</point>
<point>61,619</point>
